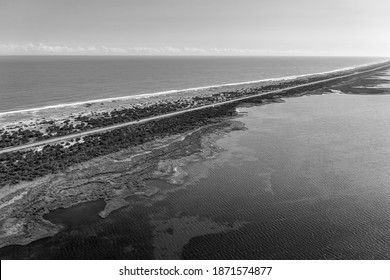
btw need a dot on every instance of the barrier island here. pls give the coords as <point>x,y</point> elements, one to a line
<point>61,156</point>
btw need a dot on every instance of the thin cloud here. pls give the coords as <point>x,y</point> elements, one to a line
<point>41,48</point>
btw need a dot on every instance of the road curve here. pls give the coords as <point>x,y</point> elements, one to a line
<point>107,128</point>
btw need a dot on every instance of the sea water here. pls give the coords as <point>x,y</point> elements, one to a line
<point>28,82</point>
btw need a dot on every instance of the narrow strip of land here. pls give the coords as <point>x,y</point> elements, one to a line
<point>107,128</point>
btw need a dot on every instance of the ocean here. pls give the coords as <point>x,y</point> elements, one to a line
<point>28,82</point>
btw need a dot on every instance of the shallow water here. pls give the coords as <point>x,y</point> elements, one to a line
<point>84,213</point>
<point>311,176</point>
<point>308,179</point>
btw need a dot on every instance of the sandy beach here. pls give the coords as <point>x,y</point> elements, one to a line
<point>31,118</point>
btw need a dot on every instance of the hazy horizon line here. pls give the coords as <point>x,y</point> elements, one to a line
<point>44,49</point>
<point>190,55</point>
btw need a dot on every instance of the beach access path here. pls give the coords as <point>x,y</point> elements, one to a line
<point>108,128</point>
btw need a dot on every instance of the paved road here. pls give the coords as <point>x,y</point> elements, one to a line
<point>103,129</point>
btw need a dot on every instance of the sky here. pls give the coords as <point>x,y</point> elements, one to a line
<point>196,27</point>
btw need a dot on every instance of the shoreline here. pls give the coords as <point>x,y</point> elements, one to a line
<point>167,93</point>
<point>65,125</point>
<point>125,172</point>
<point>117,174</point>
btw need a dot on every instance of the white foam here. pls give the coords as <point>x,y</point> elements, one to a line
<point>146,95</point>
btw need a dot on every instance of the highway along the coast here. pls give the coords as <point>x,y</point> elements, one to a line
<point>103,129</point>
